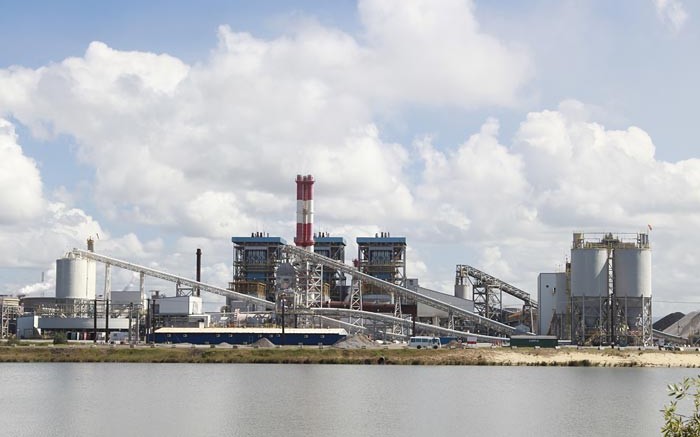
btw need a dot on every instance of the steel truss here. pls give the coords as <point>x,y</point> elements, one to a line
<point>461,316</point>
<point>590,320</point>
<point>7,313</point>
<point>487,293</point>
<point>632,321</point>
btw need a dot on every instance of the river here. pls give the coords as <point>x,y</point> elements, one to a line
<point>100,399</point>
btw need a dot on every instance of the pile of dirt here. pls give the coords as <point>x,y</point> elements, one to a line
<point>667,321</point>
<point>263,342</point>
<point>686,326</point>
<point>357,341</point>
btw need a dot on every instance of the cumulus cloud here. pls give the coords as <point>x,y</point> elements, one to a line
<point>672,13</point>
<point>21,197</point>
<point>205,151</point>
<point>164,136</point>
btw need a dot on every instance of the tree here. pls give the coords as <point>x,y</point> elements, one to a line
<point>677,424</point>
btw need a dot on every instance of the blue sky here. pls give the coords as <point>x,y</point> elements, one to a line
<point>485,132</point>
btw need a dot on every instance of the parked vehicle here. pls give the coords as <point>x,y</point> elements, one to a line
<point>424,342</point>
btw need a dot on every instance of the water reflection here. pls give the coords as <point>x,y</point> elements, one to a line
<point>87,399</point>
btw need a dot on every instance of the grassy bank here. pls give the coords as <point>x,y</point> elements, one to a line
<point>328,355</point>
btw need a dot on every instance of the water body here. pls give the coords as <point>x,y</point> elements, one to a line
<point>100,399</point>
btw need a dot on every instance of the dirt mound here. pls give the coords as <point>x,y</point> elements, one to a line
<point>688,325</point>
<point>667,320</point>
<point>354,342</point>
<point>263,342</point>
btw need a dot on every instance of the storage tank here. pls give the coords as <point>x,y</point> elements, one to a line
<point>589,273</point>
<point>632,272</point>
<point>463,291</point>
<point>551,298</point>
<point>75,278</point>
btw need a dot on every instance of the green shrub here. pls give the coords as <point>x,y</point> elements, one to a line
<point>677,424</point>
<point>60,338</point>
<point>12,341</point>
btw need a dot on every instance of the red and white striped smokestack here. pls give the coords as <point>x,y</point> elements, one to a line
<point>305,212</point>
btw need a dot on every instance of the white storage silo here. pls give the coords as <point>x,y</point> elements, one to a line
<point>463,291</point>
<point>632,288</point>
<point>552,302</point>
<point>75,278</point>
<point>589,272</point>
<point>632,272</point>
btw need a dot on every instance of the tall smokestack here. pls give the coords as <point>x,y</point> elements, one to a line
<point>305,212</point>
<point>199,268</point>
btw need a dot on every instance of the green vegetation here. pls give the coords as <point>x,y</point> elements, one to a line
<point>73,352</point>
<point>60,338</point>
<point>677,424</point>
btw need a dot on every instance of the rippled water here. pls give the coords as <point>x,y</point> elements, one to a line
<point>91,399</point>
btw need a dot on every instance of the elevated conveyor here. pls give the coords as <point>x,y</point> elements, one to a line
<point>386,318</point>
<point>78,253</point>
<point>401,291</point>
<point>669,338</point>
<point>318,259</point>
<point>485,278</point>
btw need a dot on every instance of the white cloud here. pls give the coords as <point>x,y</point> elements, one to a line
<point>205,151</point>
<point>160,133</point>
<point>21,197</point>
<point>672,13</point>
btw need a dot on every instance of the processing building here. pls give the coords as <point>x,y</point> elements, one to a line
<point>333,248</point>
<point>255,259</point>
<point>383,257</point>
<point>604,294</point>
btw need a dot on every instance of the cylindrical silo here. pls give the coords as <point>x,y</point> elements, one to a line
<point>463,291</point>
<point>632,272</point>
<point>75,278</point>
<point>589,272</point>
<point>632,288</point>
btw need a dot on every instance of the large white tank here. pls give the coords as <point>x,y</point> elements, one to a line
<point>589,273</point>
<point>463,291</point>
<point>632,272</point>
<point>551,298</point>
<point>75,278</point>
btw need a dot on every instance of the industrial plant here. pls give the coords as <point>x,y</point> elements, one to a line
<point>314,293</point>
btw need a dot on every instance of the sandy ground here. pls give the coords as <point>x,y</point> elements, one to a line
<point>604,358</point>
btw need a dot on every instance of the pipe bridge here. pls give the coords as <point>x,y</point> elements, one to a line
<point>311,257</point>
<point>451,310</point>
<point>78,253</point>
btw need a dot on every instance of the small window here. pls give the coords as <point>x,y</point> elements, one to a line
<point>168,335</point>
<point>184,335</point>
<point>218,335</point>
<point>306,335</point>
<point>230,335</point>
<point>323,336</point>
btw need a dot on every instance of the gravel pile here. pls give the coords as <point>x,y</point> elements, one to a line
<point>263,342</point>
<point>687,325</point>
<point>355,342</point>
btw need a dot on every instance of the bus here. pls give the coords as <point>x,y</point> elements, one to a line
<point>424,342</point>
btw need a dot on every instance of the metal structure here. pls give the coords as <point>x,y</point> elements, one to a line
<point>9,310</point>
<point>384,257</point>
<point>304,255</point>
<point>411,295</point>
<point>487,293</point>
<point>333,248</point>
<point>255,259</point>
<point>305,212</point>
<point>611,289</point>
<point>147,271</point>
